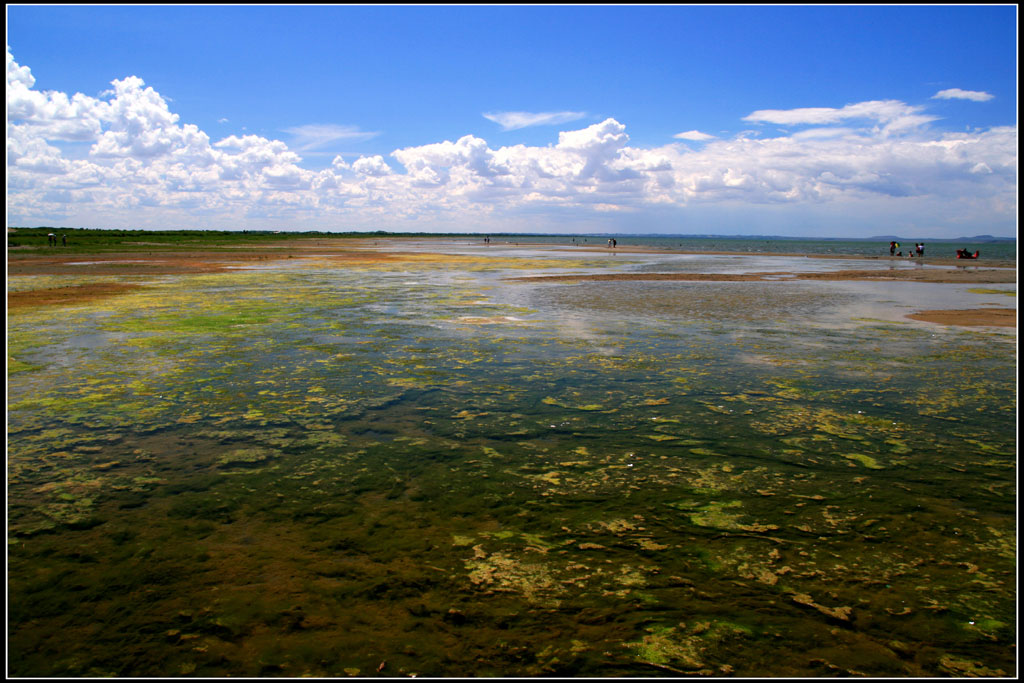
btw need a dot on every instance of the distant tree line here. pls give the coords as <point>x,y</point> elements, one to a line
<point>83,239</point>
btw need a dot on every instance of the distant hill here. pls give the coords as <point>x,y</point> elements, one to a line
<point>976,238</point>
<point>990,238</point>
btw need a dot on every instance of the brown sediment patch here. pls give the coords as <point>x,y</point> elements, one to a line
<point>172,263</point>
<point>975,317</point>
<point>989,276</point>
<point>127,264</point>
<point>943,275</point>
<point>63,296</point>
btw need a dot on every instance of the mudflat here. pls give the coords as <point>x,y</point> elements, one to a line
<point>142,258</point>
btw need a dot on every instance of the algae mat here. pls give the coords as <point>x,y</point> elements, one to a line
<point>419,467</point>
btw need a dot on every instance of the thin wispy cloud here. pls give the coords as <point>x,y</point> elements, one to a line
<point>316,135</point>
<point>694,135</point>
<point>513,120</point>
<point>878,110</point>
<point>894,116</point>
<point>958,94</point>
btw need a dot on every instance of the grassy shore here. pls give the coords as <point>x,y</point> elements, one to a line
<point>84,240</point>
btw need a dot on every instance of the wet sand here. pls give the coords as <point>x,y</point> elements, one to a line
<point>952,271</point>
<point>996,317</point>
<point>974,276</point>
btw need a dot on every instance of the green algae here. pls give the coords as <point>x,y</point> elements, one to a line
<point>661,437</point>
<point>899,447</point>
<point>865,460</point>
<point>718,515</point>
<point>686,650</point>
<point>503,573</point>
<point>246,457</point>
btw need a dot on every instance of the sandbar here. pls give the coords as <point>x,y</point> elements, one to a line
<point>976,317</point>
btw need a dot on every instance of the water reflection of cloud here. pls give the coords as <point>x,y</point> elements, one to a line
<point>489,320</point>
<point>577,330</point>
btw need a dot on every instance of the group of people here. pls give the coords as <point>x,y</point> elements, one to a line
<point>51,240</point>
<point>612,243</point>
<point>918,249</point>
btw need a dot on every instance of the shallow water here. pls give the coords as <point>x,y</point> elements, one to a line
<point>421,467</point>
<point>990,250</point>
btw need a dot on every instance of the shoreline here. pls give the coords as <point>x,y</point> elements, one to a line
<point>627,249</point>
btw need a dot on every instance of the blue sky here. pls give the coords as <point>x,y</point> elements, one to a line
<point>790,120</point>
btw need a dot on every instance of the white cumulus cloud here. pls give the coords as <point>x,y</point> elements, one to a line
<point>372,166</point>
<point>137,164</point>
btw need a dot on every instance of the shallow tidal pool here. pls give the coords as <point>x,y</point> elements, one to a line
<point>421,467</point>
